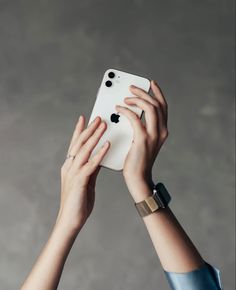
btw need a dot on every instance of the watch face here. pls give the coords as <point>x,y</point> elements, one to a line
<point>163,193</point>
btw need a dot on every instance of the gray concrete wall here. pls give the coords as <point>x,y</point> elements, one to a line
<point>52,57</point>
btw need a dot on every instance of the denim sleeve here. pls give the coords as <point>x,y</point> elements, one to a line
<point>204,278</point>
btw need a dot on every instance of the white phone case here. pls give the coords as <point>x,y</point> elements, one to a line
<point>120,134</point>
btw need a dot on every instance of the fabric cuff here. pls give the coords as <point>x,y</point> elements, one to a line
<point>205,277</point>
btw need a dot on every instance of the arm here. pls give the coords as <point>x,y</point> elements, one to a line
<point>174,248</point>
<point>176,251</point>
<point>47,270</point>
<point>78,178</point>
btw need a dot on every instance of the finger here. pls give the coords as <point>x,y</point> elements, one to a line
<point>142,94</point>
<point>135,121</point>
<point>160,97</point>
<point>91,166</point>
<point>87,148</point>
<point>78,129</point>
<point>85,135</point>
<point>152,118</point>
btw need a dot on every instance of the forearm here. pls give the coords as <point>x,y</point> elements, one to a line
<point>173,246</point>
<point>47,270</point>
<point>78,180</point>
<point>183,265</point>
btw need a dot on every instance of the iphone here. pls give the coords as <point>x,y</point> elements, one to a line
<point>113,89</point>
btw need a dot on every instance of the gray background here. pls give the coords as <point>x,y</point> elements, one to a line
<point>52,58</point>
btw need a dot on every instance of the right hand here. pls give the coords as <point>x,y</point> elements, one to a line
<point>148,138</point>
<point>78,175</point>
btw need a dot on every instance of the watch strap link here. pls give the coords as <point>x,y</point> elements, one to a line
<point>147,206</point>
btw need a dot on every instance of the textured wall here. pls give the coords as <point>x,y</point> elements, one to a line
<point>52,57</point>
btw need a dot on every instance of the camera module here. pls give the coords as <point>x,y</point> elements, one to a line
<point>108,83</point>
<point>111,74</point>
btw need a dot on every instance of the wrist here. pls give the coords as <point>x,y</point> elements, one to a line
<point>68,228</point>
<point>141,189</point>
<point>159,200</point>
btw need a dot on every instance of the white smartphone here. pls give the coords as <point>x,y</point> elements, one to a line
<point>114,88</point>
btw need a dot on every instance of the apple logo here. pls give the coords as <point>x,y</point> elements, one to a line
<point>115,118</point>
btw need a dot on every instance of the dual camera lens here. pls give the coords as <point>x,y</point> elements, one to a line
<point>111,75</point>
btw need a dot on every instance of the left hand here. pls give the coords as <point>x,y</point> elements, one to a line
<point>147,139</point>
<point>79,174</point>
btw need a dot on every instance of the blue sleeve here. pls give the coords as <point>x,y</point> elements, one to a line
<point>204,278</point>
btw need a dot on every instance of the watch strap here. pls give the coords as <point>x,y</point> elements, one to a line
<point>159,199</point>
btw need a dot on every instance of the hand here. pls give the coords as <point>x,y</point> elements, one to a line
<point>147,139</point>
<point>78,175</point>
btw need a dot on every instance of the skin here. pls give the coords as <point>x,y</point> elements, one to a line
<point>78,180</point>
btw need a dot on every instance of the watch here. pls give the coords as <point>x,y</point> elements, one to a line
<point>159,199</point>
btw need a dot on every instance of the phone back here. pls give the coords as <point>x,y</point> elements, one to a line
<point>114,88</point>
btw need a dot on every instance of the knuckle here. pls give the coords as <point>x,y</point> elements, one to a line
<point>135,117</point>
<point>164,134</point>
<point>155,103</point>
<point>83,150</point>
<point>154,138</point>
<point>78,143</point>
<point>152,108</point>
<point>87,145</point>
<point>99,132</point>
<point>73,148</point>
<point>82,136</point>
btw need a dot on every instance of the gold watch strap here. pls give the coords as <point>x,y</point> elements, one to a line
<point>147,206</point>
<point>159,199</point>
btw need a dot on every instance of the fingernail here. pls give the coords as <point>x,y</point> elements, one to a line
<point>106,144</point>
<point>132,86</point>
<point>96,118</point>
<point>79,120</point>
